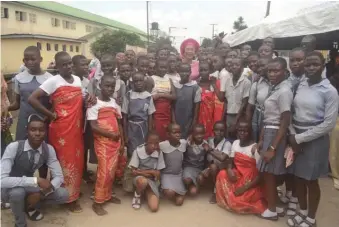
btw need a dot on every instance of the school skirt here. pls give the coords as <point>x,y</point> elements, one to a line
<point>151,183</point>
<point>277,164</point>
<point>192,173</point>
<point>312,162</point>
<point>173,182</point>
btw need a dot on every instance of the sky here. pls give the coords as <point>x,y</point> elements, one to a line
<point>192,19</point>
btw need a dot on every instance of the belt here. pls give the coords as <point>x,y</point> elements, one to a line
<point>272,125</point>
<point>138,123</point>
<point>306,124</point>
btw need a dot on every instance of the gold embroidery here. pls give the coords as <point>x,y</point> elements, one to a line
<point>67,97</point>
<point>62,142</point>
<point>64,112</point>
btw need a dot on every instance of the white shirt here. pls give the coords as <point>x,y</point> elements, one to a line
<point>236,148</point>
<point>92,113</point>
<point>55,82</point>
<point>235,93</point>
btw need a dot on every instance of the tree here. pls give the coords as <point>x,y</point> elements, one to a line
<point>206,42</point>
<point>163,41</point>
<point>239,24</point>
<point>115,42</point>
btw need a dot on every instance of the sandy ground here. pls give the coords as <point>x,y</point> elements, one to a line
<point>195,212</point>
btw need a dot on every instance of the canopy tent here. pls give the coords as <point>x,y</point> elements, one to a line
<point>321,21</point>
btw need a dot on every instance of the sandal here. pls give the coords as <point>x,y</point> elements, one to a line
<point>291,209</point>
<point>309,224</point>
<point>136,201</point>
<point>295,220</point>
<point>34,215</point>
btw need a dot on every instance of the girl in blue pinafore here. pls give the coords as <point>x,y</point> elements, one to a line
<point>25,83</point>
<point>187,105</point>
<point>138,109</point>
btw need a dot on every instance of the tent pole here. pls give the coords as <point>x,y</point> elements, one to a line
<point>147,24</point>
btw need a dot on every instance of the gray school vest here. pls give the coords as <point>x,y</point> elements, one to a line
<point>22,165</point>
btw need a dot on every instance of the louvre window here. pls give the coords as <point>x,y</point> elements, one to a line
<point>77,49</point>
<point>20,16</point>
<point>71,48</point>
<point>48,47</point>
<point>64,47</point>
<point>55,22</point>
<point>32,18</point>
<point>56,47</point>
<point>4,12</point>
<point>38,45</point>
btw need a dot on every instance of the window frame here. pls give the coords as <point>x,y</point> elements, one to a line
<point>4,13</point>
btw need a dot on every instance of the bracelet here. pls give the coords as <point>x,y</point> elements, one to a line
<point>273,148</point>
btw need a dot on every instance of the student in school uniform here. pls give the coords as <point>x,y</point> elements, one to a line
<point>296,63</point>
<point>138,109</point>
<point>272,141</point>
<point>25,83</point>
<point>66,129</point>
<point>172,68</point>
<point>219,149</point>
<point>163,94</point>
<point>194,160</point>
<point>171,176</point>
<point>252,66</point>
<point>258,94</point>
<point>80,69</point>
<point>187,104</point>
<point>314,116</point>
<point>104,119</point>
<point>130,57</point>
<point>125,73</point>
<point>238,186</point>
<point>147,161</point>
<point>235,91</point>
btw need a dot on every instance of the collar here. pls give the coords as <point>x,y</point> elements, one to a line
<point>323,83</point>
<point>241,78</point>
<point>189,84</point>
<point>139,95</point>
<point>141,151</point>
<point>189,142</point>
<point>263,80</point>
<point>28,147</point>
<point>26,77</point>
<point>166,147</point>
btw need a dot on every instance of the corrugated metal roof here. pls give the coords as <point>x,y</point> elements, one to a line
<point>40,36</point>
<point>74,12</point>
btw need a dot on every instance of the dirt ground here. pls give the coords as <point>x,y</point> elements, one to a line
<point>195,212</point>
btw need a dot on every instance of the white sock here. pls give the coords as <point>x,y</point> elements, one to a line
<point>268,214</point>
<point>306,225</point>
<point>304,212</point>
<point>279,210</point>
<point>310,220</point>
<point>136,194</point>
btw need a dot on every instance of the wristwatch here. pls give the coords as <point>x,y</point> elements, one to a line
<point>273,148</point>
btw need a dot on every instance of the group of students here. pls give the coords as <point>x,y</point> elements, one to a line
<point>233,122</point>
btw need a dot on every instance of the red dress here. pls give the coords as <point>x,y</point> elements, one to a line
<point>251,202</point>
<point>206,113</point>
<point>65,135</point>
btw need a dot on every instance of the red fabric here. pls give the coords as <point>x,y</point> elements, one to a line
<point>122,162</point>
<point>107,152</point>
<point>187,42</point>
<point>218,106</point>
<point>251,202</point>
<point>162,117</point>
<point>206,113</point>
<point>65,135</point>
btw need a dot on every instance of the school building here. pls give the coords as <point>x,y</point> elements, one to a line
<point>52,27</point>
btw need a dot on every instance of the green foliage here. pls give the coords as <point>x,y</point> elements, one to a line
<point>115,42</point>
<point>206,42</point>
<point>160,42</point>
<point>239,24</point>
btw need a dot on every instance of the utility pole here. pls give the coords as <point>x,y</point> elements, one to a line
<point>147,23</point>
<point>213,29</point>
<point>268,8</point>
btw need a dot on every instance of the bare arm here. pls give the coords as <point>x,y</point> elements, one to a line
<point>150,122</point>
<point>33,100</point>
<point>96,129</point>
<point>282,131</point>
<point>196,113</point>
<point>16,104</point>
<point>249,112</point>
<point>219,156</point>
<point>122,134</point>
<point>242,109</point>
<point>124,117</point>
<point>219,94</point>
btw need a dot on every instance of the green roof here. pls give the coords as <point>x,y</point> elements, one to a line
<point>74,12</point>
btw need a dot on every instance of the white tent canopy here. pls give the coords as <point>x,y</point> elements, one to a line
<point>319,19</point>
